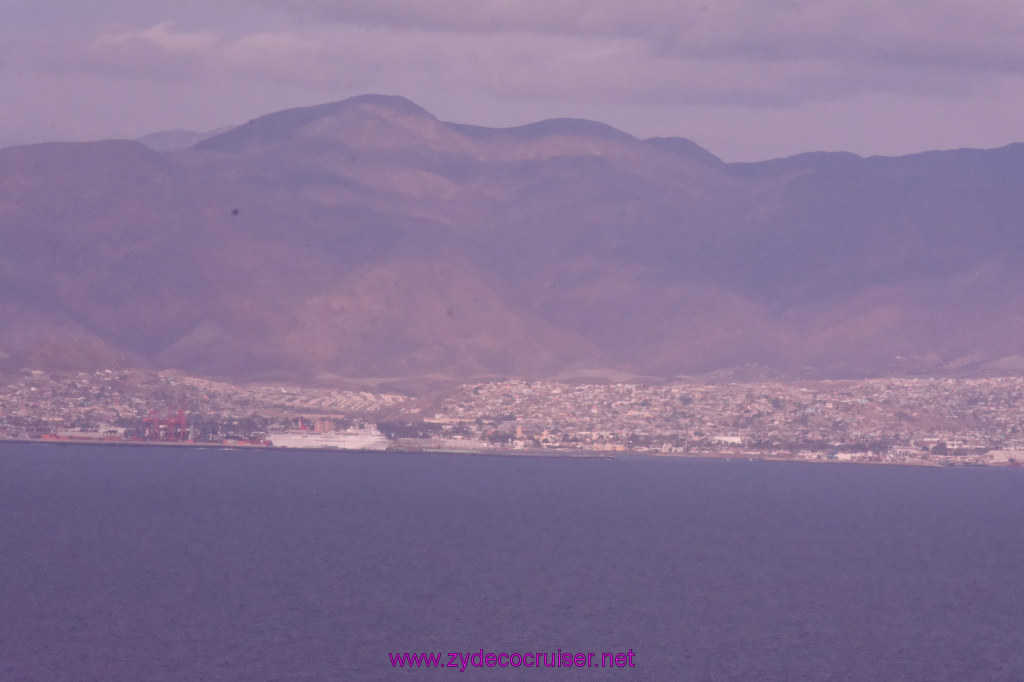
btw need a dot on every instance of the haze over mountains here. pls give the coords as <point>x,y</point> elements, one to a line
<point>365,238</point>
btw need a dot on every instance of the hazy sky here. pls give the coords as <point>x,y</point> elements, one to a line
<point>747,79</point>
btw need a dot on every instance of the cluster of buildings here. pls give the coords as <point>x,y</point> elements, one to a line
<point>922,421</point>
<point>881,420</point>
<point>140,405</point>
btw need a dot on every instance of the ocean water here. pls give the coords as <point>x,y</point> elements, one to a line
<point>125,563</point>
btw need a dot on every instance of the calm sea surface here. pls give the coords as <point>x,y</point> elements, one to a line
<point>123,563</point>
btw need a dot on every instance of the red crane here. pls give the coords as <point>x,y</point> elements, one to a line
<point>173,427</point>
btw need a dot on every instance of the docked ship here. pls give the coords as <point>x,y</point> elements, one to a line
<point>365,438</point>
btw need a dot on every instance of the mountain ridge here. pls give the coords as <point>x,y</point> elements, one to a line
<point>368,238</point>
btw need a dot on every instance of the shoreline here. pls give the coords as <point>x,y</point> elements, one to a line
<point>510,452</point>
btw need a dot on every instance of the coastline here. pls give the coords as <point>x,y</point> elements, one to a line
<point>535,453</point>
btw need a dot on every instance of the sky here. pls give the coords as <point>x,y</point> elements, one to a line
<point>746,79</point>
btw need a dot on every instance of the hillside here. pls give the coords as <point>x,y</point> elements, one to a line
<point>366,238</point>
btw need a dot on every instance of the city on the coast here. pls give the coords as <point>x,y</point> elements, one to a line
<point>911,421</point>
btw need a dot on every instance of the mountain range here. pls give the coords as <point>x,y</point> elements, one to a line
<point>366,238</point>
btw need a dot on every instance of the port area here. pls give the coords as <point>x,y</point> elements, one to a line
<point>438,448</point>
<point>888,421</point>
<point>531,453</point>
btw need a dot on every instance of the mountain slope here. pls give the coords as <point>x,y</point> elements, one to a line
<point>367,238</point>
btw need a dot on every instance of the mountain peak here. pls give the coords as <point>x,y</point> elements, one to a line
<point>322,120</point>
<point>573,127</point>
<point>394,103</point>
